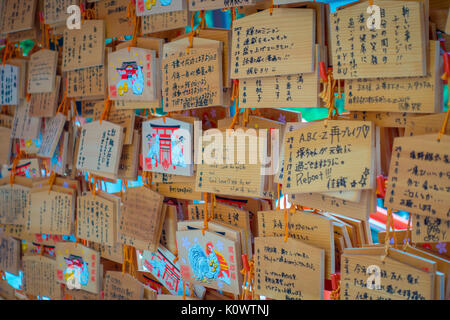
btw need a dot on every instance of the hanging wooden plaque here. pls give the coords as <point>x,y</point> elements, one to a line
<point>55,11</point>
<point>84,47</point>
<point>291,270</point>
<point>96,219</point>
<point>141,218</point>
<point>24,126</point>
<point>45,104</point>
<point>17,15</point>
<point>418,176</point>
<point>42,71</point>
<point>50,212</point>
<point>426,124</point>
<point>13,201</point>
<point>413,94</point>
<point>209,260</point>
<point>132,74</point>
<point>114,13</point>
<point>167,146</point>
<point>77,266</point>
<point>165,21</point>
<point>9,84</point>
<point>357,210</point>
<point>10,254</point>
<point>399,280</point>
<point>231,168</point>
<point>195,5</point>
<point>281,43</point>
<point>332,157</point>
<point>52,134</point>
<point>100,147</point>
<point>87,83</point>
<point>39,277</point>
<point>309,228</point>
<point>192,80</point>
<point>297,90</point>
<point>359,52</point>
<point>119,286</point>
<point>145,8</point>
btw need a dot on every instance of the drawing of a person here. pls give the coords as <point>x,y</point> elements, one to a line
<point>177,152</point>
<point>152,157</point>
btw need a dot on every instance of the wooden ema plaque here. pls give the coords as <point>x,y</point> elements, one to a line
<point>100,147</point>
<point>334,157</point>
<point>228,170</point>
<point>165,21</point>
<point>209,260</point>
<point>51,136</point>
<point>42,71</point>
<point>426,124</point>
<point>227,214</point>
<point>272,45</point>
<point>123,117</point>
<point>381,119</point>
<point>114,13</point>
<point>50,212</point>
<point>413,94</point>
<point>309,228</point>
<point>45,104</point>
<point>418,176</point>
<point>195,5</point>
<point>119,286</point>
<point>192,80</point>
<point>39,276</point>
<point>86,83</point>
<point>9,254</point>
<point>167,146</point>
<point>13,201</point>
<point>132,74</point>
<point>145,8</point>
<point>84,47</point>
<point>96,219</point>
<point>298,90</point>
<point>359,52</point>
<point>24,126</point>
<point>354,209</point>
<point>141,218</point>
<point>9,84</point>
<point>291,270</point>
<point>403,279</point>
<point>55,11</point>
<point>17,15</point>
<point>77,265</point>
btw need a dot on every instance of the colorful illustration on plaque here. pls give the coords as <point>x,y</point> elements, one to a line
<point>149,4</point>
<point>132,74</point>
<point>208,264</point>
<point>77,271</point>
<point>147,7</point>
<point>160,264</point>
<point>131,77</point>
<point>209,259</point>
<point>164,146</point>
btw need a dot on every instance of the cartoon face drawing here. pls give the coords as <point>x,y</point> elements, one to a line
<point>131,76</point>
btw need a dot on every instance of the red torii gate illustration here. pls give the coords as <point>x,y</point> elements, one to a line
<point>165,144</point>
